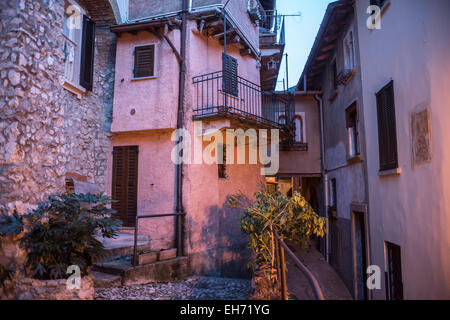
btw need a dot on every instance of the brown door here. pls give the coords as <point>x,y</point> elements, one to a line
<point>124,183</point>
<point>394,282</point>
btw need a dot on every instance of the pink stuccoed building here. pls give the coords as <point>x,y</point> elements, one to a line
<point>171,71</point>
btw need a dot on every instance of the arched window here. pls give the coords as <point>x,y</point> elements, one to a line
<point>298,128</point>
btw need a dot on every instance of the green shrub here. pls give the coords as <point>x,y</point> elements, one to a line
<point>5,273</point>
<point>292,217</point>
<point>61,231</point>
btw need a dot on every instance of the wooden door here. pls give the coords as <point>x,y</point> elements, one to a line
<point>124,183</point>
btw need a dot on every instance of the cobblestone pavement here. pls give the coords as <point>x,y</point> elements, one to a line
<point>194,288</point>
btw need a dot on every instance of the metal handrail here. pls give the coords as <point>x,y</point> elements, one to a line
<point>147,217</point>
<point>249,102</point>
<point>282,264</point>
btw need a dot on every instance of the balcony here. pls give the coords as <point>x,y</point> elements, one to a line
<point>272,30</point>
<point>238,99</point>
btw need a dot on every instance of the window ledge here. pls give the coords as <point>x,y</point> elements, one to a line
<point>392,172</point>
<point>74,88</point>
<point>144,78</point>
<point>354,158</point>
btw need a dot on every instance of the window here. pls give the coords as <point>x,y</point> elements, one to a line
<point>144,61</point>
<point>230,75</point>
<point>334,74</point>
<point>379,3</point>
<point>79,33</point>
<point>349,51</point>
<point>298,129</point>
<point>394,282</point>
<point>351,115</point>
<point>387,132</point>
<point>332,194</point>
<point>300,132</point>
<point>222,167</point>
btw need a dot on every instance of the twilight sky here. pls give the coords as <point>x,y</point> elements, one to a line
<point>300,34</point>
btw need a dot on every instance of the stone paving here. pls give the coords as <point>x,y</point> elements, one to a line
<point>194,288</point>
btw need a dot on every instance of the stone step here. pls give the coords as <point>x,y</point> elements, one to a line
<point>160,271</point>
<point>106,280</point>
<point>123,245</point>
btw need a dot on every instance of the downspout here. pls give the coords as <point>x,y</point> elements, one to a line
<point>323,167</point>
<point>180,117</point>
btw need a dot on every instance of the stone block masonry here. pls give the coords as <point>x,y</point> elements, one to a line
<point>45,130</point>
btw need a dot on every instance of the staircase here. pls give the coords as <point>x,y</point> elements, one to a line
<point>117,269</point>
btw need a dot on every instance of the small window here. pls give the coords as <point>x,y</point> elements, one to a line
<point>144,61</point>
<point>351,115</point>
<point>349,51</point>
<point>394,282</point>
<point>387,130</point>
<point>299,122</point>
<point>332,194</point>
<point>379,3</point>
<point>79,42</point>
<point>334,74</point>
<point>222,167</point>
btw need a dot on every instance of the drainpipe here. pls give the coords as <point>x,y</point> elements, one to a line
<point>180,115</point>
<point>324,174</point>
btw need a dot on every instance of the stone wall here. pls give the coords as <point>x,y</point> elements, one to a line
<point>33,289</point>
<point>46,131</point>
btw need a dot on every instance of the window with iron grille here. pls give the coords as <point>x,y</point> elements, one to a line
<point>387,130</point>
<point>144,61</point>
<point>230,75</point>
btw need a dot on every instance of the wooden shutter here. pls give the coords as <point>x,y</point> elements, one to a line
<point>124,184</point>
<point>144,61</point>
<point>230,75</point>
<point>87,54</point>
<point>387,129</point>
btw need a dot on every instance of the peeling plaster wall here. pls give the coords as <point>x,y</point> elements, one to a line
<point>410,209</point>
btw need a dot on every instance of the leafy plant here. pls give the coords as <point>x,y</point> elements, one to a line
<point>5,273</point>
<point>61,232</point>
<point>292,217</point>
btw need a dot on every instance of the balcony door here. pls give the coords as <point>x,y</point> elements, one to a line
<point>124,183</point>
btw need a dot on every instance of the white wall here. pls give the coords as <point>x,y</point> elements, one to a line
<point>411,209</point>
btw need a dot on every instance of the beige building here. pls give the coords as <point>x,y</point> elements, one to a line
<point>382,69</point>
<point>405,70</point>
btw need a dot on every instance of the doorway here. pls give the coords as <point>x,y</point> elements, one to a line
<point>124,183</point>
<point>360,256</point>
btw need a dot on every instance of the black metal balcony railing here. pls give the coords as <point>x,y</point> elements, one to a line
<point>248,102</point>
<point>272,29</point>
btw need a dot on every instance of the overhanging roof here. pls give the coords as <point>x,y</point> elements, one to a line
<point>336,17</point>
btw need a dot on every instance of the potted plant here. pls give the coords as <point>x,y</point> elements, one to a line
<point>59,240</point>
